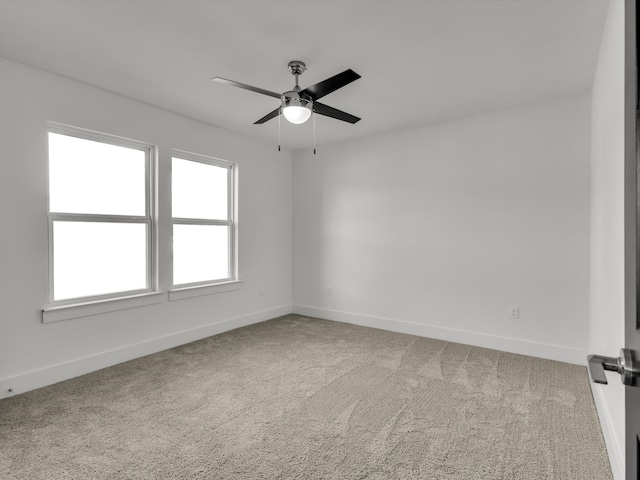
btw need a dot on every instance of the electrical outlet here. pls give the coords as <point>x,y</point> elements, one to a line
<point>329,290</point>
<point>514,312</point>
<point>261,290</point>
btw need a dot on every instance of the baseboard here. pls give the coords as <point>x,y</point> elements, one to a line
<point>512,345</point>
<point>80,366</point>
<point>614,449</point>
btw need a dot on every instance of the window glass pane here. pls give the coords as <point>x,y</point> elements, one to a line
<point>199,190</point>
<point>200,253</point>
<point>94,177</point>
<point>97,258</point>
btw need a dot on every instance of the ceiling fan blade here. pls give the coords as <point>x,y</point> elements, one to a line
<point>328,111</point>
<point>268,116</point>
<point>332,84</point>
<point>224,81</point>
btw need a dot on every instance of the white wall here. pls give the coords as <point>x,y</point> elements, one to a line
<point>33,354</point>
<point>607,227</point>
<point>437,230</point>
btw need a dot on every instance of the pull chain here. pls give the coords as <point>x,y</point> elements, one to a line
<point>279,112</point>
<point>314,133</point>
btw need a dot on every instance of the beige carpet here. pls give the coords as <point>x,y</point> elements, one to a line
<point>301,398</point>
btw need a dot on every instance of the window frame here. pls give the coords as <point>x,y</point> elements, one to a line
<point>149,218</point>
<point>231,221</point>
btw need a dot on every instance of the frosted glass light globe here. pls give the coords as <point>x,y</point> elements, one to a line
<point>296,114</point>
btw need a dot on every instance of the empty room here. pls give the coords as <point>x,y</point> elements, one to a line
<point>319,240</point>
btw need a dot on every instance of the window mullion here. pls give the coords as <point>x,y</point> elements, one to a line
<point>201,221</point>
<point>86,217</point>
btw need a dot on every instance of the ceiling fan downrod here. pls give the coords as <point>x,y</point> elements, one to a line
<point>296,68</point>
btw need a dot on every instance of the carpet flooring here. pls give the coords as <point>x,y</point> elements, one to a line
<point>304,398</point>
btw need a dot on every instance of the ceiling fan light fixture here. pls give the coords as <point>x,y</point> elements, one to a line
<point>296,109</point>
<point>296,114</point>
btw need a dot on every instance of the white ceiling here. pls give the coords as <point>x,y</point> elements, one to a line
<point>420,61</point>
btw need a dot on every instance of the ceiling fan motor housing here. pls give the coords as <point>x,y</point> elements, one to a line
<point>294,98</point>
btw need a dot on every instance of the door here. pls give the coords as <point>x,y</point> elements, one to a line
<point>628,363</point>
<point>632,238</point>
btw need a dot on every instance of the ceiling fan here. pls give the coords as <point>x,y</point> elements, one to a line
<point>297,104</point>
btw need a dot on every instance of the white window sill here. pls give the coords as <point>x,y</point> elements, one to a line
<point>199,290</point>
<point>67,312</point>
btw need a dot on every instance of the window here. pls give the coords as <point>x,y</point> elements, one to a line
<point>202,202</point>
<point>100,216</point>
